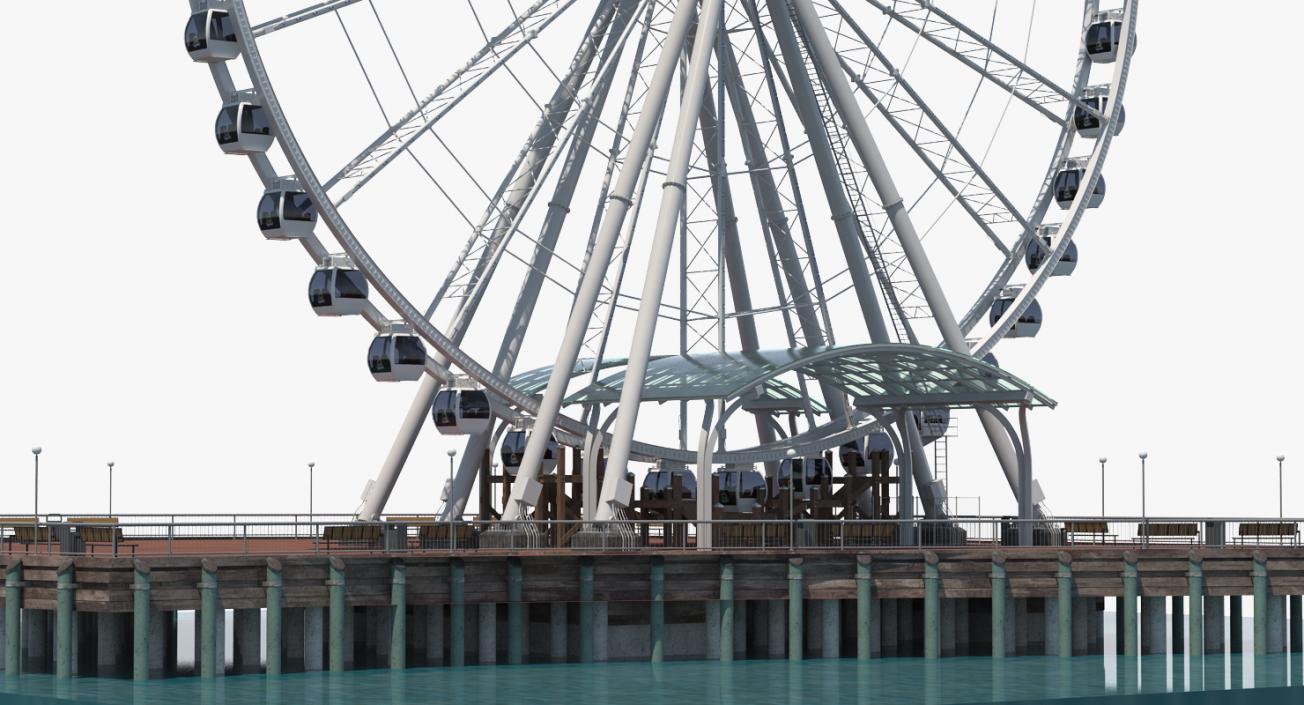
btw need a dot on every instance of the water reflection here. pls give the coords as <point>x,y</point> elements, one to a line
<point>911,681</point>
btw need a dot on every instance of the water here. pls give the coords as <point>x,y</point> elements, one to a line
<point>827,682</point>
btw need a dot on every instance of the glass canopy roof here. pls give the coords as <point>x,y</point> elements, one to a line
<point>777,394</point>
<point>887,375</point>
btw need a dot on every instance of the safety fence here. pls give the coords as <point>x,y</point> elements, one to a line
<point>286,535</point>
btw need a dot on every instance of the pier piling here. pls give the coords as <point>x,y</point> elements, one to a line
<point>63,619</point>
<point>1064,606</point>
<point>208,619</point>
<point>338,619</point>
<point>932,607</point>
<point>726,638</point>
<point>274,586</point>
<point>795,610</point>
<point>397,615</point>
<point>1195,600</point>
<point>1127,605</point>
<point>657,609</point>
<point>1000,600</point>
<point>864,608</point>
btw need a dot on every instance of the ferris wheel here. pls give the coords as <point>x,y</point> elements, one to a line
<point>824,180</point>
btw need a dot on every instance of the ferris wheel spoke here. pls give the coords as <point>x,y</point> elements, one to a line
<point>302,15</point>
<point>984,57</point>
<point>400,136</point>
<point>555,129</point>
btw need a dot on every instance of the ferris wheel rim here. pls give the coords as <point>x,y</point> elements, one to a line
<point>502,387</point>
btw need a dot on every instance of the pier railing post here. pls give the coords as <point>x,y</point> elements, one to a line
<point>397,615</point>
<point>208,607</point>
<point>515,612</point>
<point>140,608</point>
<point>932,607</point>
<point>275,601</point>
<point>795,624</point>
<point>1195,595</point>
<point>63,619</point>
<point>1128,605</point>
<point>13,617</point>
<point>1259,575</point>
<point>657,609</point>
<point>727,609</point>
<point>1000,612</point>
<point>337,618</point>
<point>864,607</point>
<point>586,610</point>
<point>1064,608</point>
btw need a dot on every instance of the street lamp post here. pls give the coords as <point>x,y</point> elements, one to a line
<point>110,488</point>
<point>36,490</point>
<point>1145,524</point>
<point>1281,496</point>
<point>1103,459</point>
<point>311,465</point>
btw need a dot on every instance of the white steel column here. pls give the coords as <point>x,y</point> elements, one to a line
<point>835,81</point>
<point>526,488</point>
<point>672,201</point>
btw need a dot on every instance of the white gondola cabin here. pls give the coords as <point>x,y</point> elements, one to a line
<point>1070,179</point>
<point>858,456</point>
<point>658,482</point>
<point>1027,324</point>
<point>337,288</point>
<point>211,36</point>
<point>285,212</point>
<point>396,354</point>
<point>1040,247</point>
<point>459,412</point>
<point>1104,35</point>
<point>242,126</point>
<point>513,450</point>
<point>1088,117</point>
<point>740,488</point>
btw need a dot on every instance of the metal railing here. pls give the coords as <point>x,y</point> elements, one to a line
<point>266,535</point>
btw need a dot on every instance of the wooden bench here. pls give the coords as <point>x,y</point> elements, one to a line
<point>354,536</point>
<point>436,535</point>
<point>878,534</point>
<point>1174,531</point>
<point>1092,531</point>
<point>21,531</point>
<point>105,531</point>
<point>1282,531</point>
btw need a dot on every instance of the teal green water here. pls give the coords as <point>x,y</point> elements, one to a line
<point>826,682</point>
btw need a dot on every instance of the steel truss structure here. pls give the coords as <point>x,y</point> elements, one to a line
<point>792,154</point>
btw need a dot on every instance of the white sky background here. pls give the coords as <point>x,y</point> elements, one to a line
<point>150,323</point>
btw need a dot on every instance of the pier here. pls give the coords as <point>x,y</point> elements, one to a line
<point>396,594</point>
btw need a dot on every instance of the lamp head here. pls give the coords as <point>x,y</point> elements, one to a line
<point>36,450</point>
<point>111,463</point>
<point>1103,459</point>
<point>311,465</point>
<point>1143,455</point>
<point>1281,458</point>
<point>451,452</point>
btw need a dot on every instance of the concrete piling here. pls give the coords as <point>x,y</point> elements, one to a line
<point>275,588</point>
<point>487,633</point>
<point>1064,604</point>
<point>208,619</point>
<point>313,638</point>
<point>726,638</point>
<point>1195,600</point>
<point>63,619</point>
<point>1154,633</point>
<point>397,615</point>
<point>776,624</point>
<point>864,608</point>
<point>830,629</point>
<point>1259,576</point>
<point>1213,629</point>
<point>1296,624</point>
<point>515,613</point>
<point>657,609</point>
<point>13,617</point>
<point>456,613</point>
<point>1000,600</point>
<point>586,610</point>
<point>1128,604</point>
<point>795,610</point>
<point>932,607</point>
<point>339,636</point>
